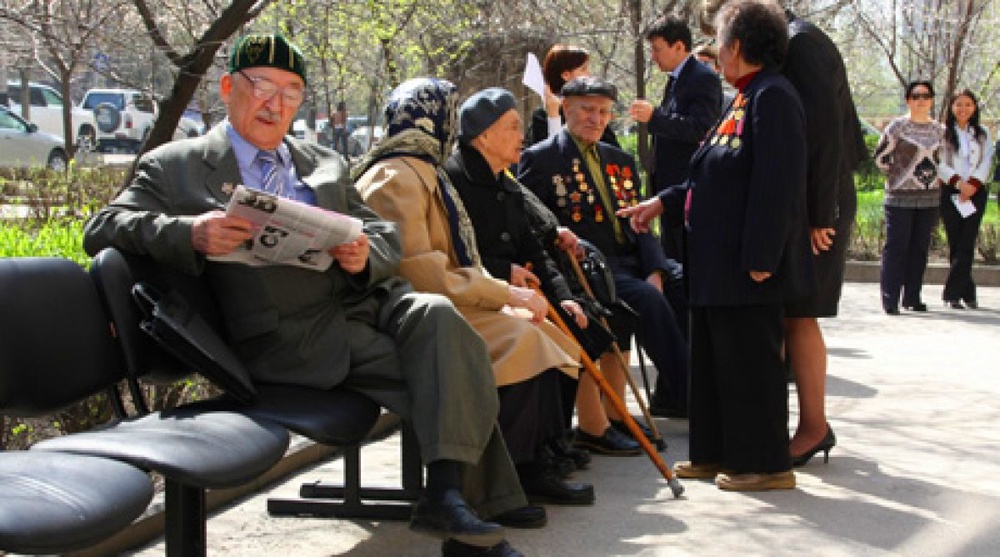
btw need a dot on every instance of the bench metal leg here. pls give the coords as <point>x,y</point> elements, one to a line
<point>185,529</point>
<point>348,500</point>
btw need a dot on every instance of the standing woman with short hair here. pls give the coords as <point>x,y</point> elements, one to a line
<point>744,207</point>
<point>908,154</point>
<point>964,169</point>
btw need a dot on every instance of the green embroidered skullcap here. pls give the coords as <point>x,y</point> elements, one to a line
<point>272,51</point>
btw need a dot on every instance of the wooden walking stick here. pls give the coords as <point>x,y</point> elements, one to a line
<point>660,443</point>
<point>602,383</point>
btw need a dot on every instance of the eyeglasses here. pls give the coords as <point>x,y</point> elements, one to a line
<point>265,90</point>
<point>922,96</point>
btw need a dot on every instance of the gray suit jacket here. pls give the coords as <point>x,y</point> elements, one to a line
<point>289,325</point>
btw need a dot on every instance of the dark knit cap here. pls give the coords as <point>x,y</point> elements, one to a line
<point>588,85</point>
<point>273,51</point>
<point>479,111</point>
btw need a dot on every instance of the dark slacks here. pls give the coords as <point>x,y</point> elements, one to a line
<point>962,234</point>
<point>739,393</point>
<point>659,334</point>
<point>904,257</point>
<point>531,414</point>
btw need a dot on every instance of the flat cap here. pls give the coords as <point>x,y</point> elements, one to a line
<point>589,85</point>
<point>481,110</point>
<point>273,51</point>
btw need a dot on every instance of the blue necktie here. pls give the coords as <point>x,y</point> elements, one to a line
<point>271,171</point>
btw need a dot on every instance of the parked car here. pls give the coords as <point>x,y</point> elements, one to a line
<point>302,131</point>
<point>123,117</point>
<point>364,138</point>
<point>46,111</point>
<point>23,146</point>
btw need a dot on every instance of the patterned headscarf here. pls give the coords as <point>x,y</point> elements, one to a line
<point>421,118</point>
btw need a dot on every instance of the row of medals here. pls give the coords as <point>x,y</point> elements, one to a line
<point>564,198</point>
<point>729,131</point>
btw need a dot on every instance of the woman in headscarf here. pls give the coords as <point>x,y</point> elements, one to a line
<point>402,179</point>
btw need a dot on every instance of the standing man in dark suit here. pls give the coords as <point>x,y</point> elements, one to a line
<point>584,182</point>
<point>355,324</point>
<point>835,148</point>
<point>691,104</point>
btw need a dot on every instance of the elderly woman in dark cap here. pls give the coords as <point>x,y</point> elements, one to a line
<point>744,207</point>
<point>403,181</point>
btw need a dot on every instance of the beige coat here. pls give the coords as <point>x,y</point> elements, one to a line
<point>405,190</point>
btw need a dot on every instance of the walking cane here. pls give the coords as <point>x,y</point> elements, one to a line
<point>602,383</point>
<point>660,443</point>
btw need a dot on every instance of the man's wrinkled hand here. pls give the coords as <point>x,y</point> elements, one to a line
<point>641,110</point>
<point>352,256</point>
<point>215,233</point>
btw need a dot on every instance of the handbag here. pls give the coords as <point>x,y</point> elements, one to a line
<point>183,333</point>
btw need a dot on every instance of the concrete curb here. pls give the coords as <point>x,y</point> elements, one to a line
<point>937,273</point>
<point>301,453</point>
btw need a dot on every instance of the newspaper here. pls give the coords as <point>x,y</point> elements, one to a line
<point>287,232</point>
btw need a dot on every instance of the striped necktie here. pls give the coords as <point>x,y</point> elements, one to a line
<point>272,172</point>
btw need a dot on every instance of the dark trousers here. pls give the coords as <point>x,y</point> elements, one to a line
<point>739,394</point>
<point>962,234</point>
<point>904,257</point>
<point>531,413</point>
<point>659,334</point>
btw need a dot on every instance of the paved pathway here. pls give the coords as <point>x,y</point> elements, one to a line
<point>913,400</point>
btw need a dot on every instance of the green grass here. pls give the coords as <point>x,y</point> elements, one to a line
<point>53,238</point>
<point>870,202</point>
<point>869,231</point>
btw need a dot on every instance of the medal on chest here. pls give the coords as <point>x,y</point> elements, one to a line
<point>620,179</point>
<point>730,131</point>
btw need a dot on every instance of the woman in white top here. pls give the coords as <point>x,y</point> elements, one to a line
<point>964,171</point>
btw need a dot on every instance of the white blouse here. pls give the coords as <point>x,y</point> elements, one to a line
<point>972,159</point>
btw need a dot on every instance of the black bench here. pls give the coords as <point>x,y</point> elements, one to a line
<point>58,349</point>
<point>338,417</point>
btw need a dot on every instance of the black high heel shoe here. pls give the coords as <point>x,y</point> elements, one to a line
<point>825,444</point>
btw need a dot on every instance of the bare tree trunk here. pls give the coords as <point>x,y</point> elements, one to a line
<point>639,61</point>
<point>192,66</point>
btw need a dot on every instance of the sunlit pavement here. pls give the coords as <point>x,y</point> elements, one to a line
<point>912,398</point>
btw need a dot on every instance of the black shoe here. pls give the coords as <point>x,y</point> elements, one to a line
<point>919,306</point>
<point>546,487</point>
<point>455,548</point>
<point>528,516</point>
<point>954,304</point>
<point>971,304</point>
<point>825,444</point>
<point>892,311</point>
<point>621,427</point>
<point>448,516</point>
<point>562,448</point>
<point>611,442</point>
<point>562,466</point>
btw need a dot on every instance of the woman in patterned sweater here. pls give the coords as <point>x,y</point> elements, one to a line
<point>908,154</point>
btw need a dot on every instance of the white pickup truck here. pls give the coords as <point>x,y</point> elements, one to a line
<point>46,111</point>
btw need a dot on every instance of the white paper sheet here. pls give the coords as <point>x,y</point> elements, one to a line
<point>533,78</point>
<point>965,208</point>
